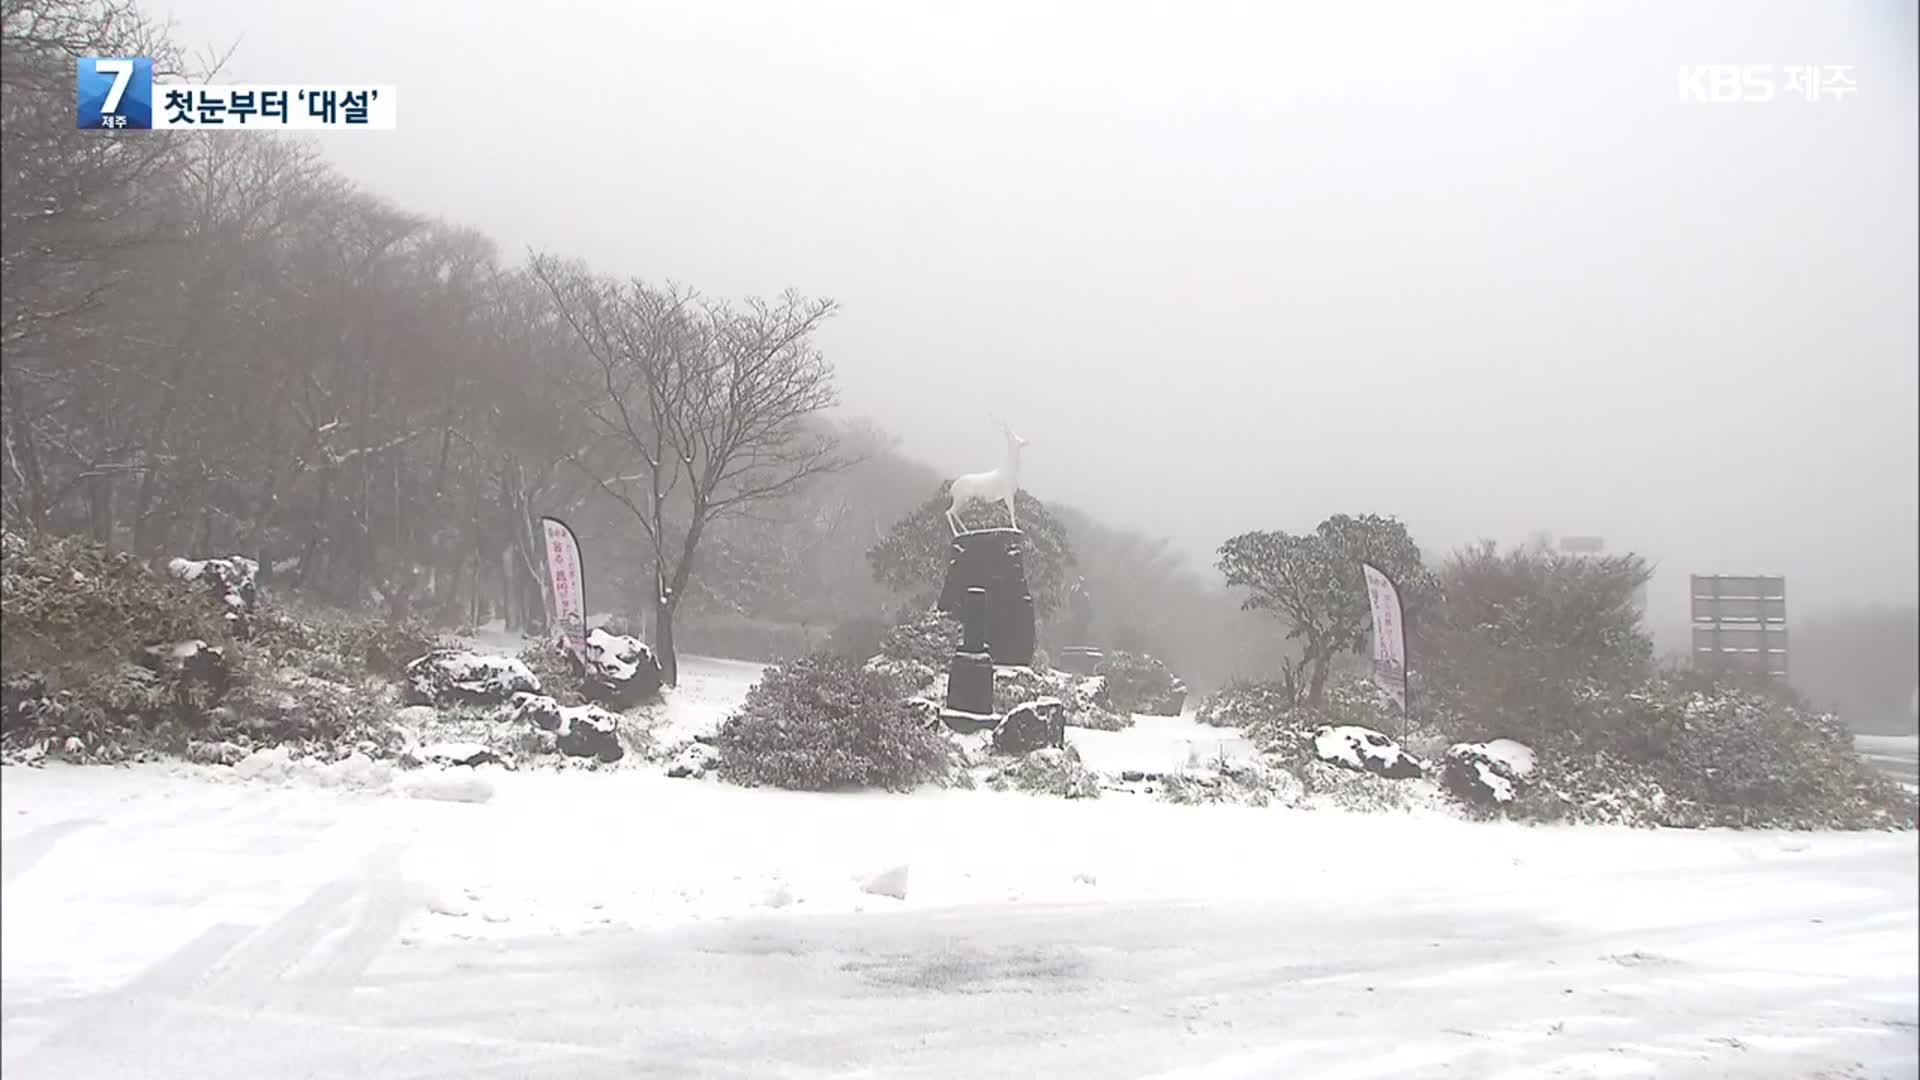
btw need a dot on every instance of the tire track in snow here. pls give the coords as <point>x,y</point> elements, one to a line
<point>22,853</point>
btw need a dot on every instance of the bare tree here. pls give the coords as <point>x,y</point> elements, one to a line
<point>698,409</point>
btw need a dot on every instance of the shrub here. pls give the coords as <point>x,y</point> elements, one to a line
<point>1524,643</point>
<point>824,722</point>
<point>71,609</point>
<point>1137,683</point>
<point>1013,687</point>
<point>857,637</point>
<point>1245,704</point>
<point>928,638</point>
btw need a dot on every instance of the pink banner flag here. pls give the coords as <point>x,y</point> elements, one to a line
<point>1389,636</point>
<point>567,585</point>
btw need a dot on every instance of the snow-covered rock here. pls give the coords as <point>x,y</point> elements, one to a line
<point>694,761</point>
<point>1032,726</point>
<point>233,576</point>
<point>579,730</point>
<point>890,882</point>
<point>458,675</point>
<point>1365,750</point>
<point>1488,772</point>
<point>449,754</point>
<point>192,661</point>
<point>621,671</point>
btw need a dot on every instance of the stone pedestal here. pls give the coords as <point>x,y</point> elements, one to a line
<point>970,673</point>
<point>994,560</point>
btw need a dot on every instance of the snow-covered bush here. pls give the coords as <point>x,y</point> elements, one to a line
<point>824,722</point>
<point>1242,783</point>
<point>928,639</point>
<point>1049,771</point>
<point>1690,756</point>
<point>1014,687</point>
<point>1137,683</point>
<point>1246,704</point>
<point>76,624</point>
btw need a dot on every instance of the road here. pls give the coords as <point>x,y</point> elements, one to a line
<point>1896,755</point>
<point>1784,982</point>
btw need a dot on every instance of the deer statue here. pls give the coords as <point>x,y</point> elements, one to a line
<point>998,485</point>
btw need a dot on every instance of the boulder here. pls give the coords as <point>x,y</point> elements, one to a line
<point>190,664</point>
<point>693,761</point>
<point>621,671</point>
<point>449,754</point>
<point>456,675</point>
<point>1032,726</point>
<point>233,577</point>
<point>578,730</point>
<point>1488,773</point>
<point>1365,750</point>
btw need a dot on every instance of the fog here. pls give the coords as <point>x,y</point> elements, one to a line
<point>1473,265</point>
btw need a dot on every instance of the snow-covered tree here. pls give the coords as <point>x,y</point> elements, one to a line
<point>1314,583</point>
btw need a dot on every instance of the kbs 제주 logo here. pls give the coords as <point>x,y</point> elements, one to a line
<point>115,92</point>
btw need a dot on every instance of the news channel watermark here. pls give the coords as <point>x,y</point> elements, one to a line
<point>1755,84</point>
<point>117,93</point>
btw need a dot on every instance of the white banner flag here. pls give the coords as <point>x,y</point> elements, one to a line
<point>1389,636</point>
<point>567,584</point>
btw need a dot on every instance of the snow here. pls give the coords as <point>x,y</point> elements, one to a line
<point>1444,924</point>
<point>1517,757</point>
<point>494,676</point>
<point>1145,939</point>
<point>1157,745</point>
<point>1360,748</point>
<point>607,653</point>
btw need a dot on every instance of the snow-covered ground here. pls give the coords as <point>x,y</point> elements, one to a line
<point>181,921</point>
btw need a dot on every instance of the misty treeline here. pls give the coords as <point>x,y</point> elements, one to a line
<point>216,344</point>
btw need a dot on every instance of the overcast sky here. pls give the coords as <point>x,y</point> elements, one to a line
<point>1237,267</point>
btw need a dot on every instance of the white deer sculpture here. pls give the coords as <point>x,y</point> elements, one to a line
<point>997,485</point>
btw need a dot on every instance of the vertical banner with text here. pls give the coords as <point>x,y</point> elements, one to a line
<point>1389,636</point>
<point>567,585</point>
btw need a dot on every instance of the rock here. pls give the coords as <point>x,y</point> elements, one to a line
<point>892,882</point>
<point>579,730</point>
<point>621,672</point>
<point>694,760</point>
<point>1365,750</point>
<point>415,715</point>
<point>215,753</point>
<point>1033,726</point>
<point>1487,773</point>
<point>233,577</point>
<point>445,675</point>
<point>194,663</point>
<point>449,754</point>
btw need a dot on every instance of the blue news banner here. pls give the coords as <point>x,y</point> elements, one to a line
<point>119,94</point>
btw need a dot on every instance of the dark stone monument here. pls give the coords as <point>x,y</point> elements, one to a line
<point>994,560</point>
<point>970,673</point>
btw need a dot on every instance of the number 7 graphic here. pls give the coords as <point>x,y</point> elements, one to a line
<point>122,72</point>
